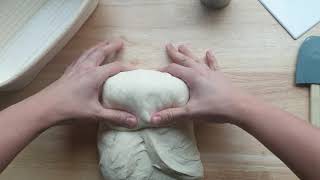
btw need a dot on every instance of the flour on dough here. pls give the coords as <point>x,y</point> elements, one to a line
<point>147,153</point>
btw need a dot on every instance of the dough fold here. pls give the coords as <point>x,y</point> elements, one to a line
<point>147,153</point>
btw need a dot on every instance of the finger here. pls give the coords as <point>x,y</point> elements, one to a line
<point>178,57</point>
<point>186,51</point>
<point>85,55</point>
<point>111,69</point>
<point>181,72</point>
<point>69,67</point>
<point>113,47</point>
<point>211,61</point>
<point>97,57</point>
<point>168,116</point>
<point>118,117</point>
<point>204,61</point>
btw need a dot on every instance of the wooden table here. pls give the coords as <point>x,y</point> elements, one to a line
<point>252,49</point>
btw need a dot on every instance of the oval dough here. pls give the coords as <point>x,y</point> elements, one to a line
<point>143,92</point>
<point>147,153</point>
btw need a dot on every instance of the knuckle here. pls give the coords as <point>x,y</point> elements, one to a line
<point>116,118</point>
<point>112,117</point>
<point>121,118</point>
<point>168,117</point>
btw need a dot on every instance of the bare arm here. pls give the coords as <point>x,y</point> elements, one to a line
<point>293,140</point>
<point>21,123</point>
<point>74,95</point>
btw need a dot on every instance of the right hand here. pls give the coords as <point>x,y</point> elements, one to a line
<point>211,93</point>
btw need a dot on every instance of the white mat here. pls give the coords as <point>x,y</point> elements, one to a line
<point>296,16</point>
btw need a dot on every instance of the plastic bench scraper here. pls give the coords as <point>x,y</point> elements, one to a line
<point>308,73</point>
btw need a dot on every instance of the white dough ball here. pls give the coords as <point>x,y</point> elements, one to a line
<point>144,92</point>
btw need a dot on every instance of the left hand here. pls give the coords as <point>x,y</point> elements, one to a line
<point>76,94</point>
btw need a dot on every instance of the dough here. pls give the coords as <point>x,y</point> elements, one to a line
<point>142,92</point>
<point>147,153</point>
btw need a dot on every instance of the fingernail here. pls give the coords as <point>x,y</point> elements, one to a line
<point>131,122</point>
<point>156,119</point>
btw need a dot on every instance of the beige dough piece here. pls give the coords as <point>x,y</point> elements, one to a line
<point>147,153</point>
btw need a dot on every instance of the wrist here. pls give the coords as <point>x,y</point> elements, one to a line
<point>241,105</point>
<point>47,108</point>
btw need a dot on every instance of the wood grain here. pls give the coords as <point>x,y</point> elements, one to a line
<point>252,49</point>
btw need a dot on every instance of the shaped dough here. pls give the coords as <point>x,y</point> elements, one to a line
<point>142,92</point>
<point>147,153</point>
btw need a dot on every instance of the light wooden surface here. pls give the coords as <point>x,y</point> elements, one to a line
<point>252,49</point>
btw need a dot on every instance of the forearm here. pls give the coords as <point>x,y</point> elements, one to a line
<point>293,140</point>
<point>20,124</point>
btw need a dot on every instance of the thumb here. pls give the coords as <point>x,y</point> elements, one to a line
<point>118,117</point>
<point>168,116</point>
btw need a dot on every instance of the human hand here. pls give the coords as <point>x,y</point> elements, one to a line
<point>76,94</point>
<point>211,93</point>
